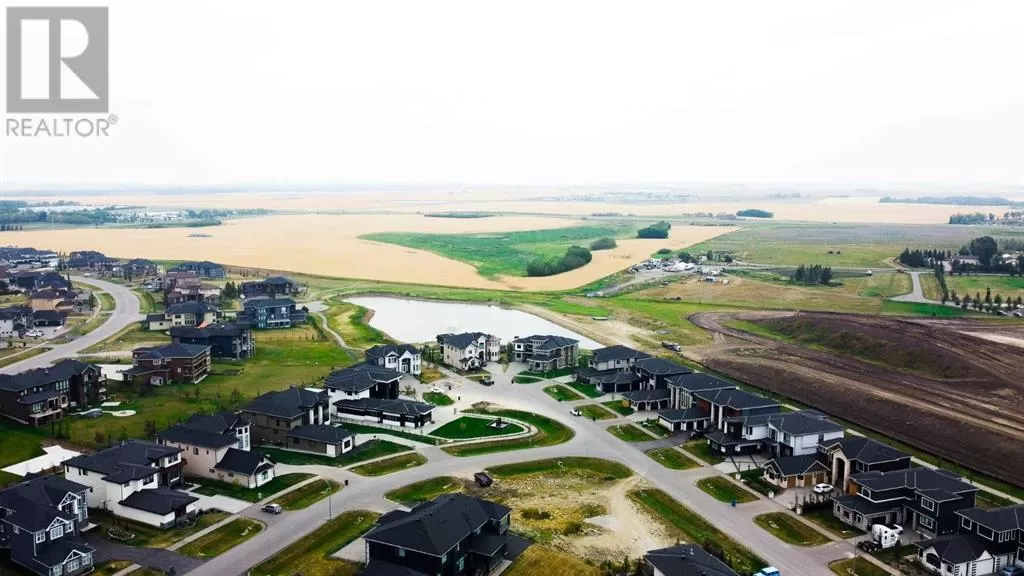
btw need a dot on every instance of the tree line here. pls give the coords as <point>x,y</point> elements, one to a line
<point>659,230</point>
<point>575,257</point>
<point>813,274</point>
<point>606,243</point>
<point>754,213</point>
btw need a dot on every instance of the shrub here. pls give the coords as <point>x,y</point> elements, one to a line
<point>754,213</point>
<point>536,514</point>
<point>659,230</point>
<point>664,250</point>
<point>606,243</point>
<point>575,257</point>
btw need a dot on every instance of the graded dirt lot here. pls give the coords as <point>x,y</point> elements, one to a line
<point>330,245</point>
<point>928,383</point>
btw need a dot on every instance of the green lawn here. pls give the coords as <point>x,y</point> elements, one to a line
<point>651,425</point>
<point>307,495</point>
<point>505,253</point>
<point>972,285</point>
<point>213,487</point>
<point>595,412</point>
<point>549,433</point>
<point>823,517</point>
<point>106,301</point>
<point>562,393</point>
<point>723,489</point>
<point>311,554</point>
<point>692,527</point>
<point>438,399</point>
<point>790,530</point>
<point>376,430</point>
<point>604,468</point>
<point>524,379</point>
<point>150,536</point>
<point>424,490</point>
<point>129,338</point>
<point>366,451</point>
<point>702,450</point>
<point>620,406</point>
<point>630,433</point>
<point>588,390</point>
<point>754,479</point>
<point>222,539</point>
<point>105,569</point>
<point>468,427</point>
<point>350,321</point>
<point>671,458</point>
<point>856,567</point>
<point>19,443</point>
<point>389,465</point>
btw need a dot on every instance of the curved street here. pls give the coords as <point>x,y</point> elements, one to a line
<point>126,311</point>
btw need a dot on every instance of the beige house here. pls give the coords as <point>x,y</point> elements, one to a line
<point>217,447</point>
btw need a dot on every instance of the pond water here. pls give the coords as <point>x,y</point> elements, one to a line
<point>418,321</point>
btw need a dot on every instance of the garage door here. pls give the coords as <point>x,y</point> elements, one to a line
<point>983,567</point>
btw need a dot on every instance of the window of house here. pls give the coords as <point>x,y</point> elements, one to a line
<point>87,559</point>
<point>865,492</point>
<point>73,565</point>
<point>444,558</point>
<point>985,532</point>
<point>926,522</point>
<point>195,451</point>
<point>58,570</point>
<point>40,537</point>
<point>966,523</point>
<point>264,475</point>
<point>462,563</point>
<point>928,504</point>
<point>56,532</point>
<point>401,552</point>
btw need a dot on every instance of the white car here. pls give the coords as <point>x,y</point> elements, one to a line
<point>823,488</point>
<point>576,413</point>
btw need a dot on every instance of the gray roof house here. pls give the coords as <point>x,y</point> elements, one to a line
<point>685,560</point>
<point>546,352</point>
<point>40,522</point>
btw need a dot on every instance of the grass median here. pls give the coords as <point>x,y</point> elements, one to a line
<point>549,432</point>
<point>390,465</point>
<point>308,495</point>
<point>790,530</point>
<point>424,490</point>
<point>671,458</point>
<point>222,539</point>
<point>366,451</point>
<point>311,555</point>
<point>630,433</point>
<point>724,490</point>
<point>595,412</point>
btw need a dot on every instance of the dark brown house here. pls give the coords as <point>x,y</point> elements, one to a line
<point>275,415</point>
<point>169,364</point>
<point>38,396</point>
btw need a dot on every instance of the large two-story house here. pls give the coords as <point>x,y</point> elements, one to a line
<point>404,358</point>
<point>187,314</point>
<point>362,380</point>
<point>275,414</point>
<point>857,454</point>
<point>546,352</point>
<point>40,522</point>
<point>986,541</point>
<point>133,480</point>
<point>204,269</point>
<point>271,287</point>
<point>653,374</point>
<point>469,350</point>
<point>610,369</point>
<point>684,560</point>
<point>218,447</point>
<point>36,397</point>
<point>369,392</point>
<point>226,340</point>
<point>793,442</point>
<point>266,313</point>
<point>173,363</point>
<point>922,499</point>
<point>683,413</point>
<point>453,535</point>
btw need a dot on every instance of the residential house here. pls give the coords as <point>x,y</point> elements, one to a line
<point>611,369</point>
<point>133,480</point>
<point>275,414</point>
<point>794,471</point>
<point>857,454</point>
<point>52,299</point>
<point>204,269</point>
<point>469,350</point>
<point>48,318</point>
<point>271,287</point>
<point>782,435</point>
<point>139,268</point>
<point>653,374</point>
<point>227,340</point>
<point>91,260</point>
<point>986,541</point>
<point>737,420</point>
<point>18,256</point>
<point>40,523</point>
<point>217,447</point>
<point>545,352</point>
<point>187,314</point>
<point>405,358</point>
<point>197,292</point>
<point>14,320</point>
<point>35,397</point>
<point>453,535</point>
<point>683,386</point>
<point>363,380</point>
<point>321,439</point>
<point>173,363</point>
<point>800,433</point>
<point>395,412</point>
<point>684,560</point>
<point>921,499</point>
<point>263,313</point>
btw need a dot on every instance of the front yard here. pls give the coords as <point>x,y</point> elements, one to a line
<point>671,458</point>
<point>702,450</point>
<point>222,539</point>
<point>366,451</point>
<point>438,398</point>
<point>587,390</point>
<point>630,433</point>
<point>595,412</point>
<point>790,530</point>
<point>210,487</point>
<point>150,536</point>
<point>723,489</point>
<point>424,490</point>
<point>562,393</point>
<point>856,567</point>
<point>389,465</point>
<point>620,406</point>
<point>826,519</point>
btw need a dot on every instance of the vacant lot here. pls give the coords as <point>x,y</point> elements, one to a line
<point>789,529</point>
<point>311,554</point>
<point>964,392</point>
<point>222,539</point>
<point>541,560</point>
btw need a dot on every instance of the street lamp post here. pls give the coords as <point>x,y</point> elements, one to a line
<point>330,512</point>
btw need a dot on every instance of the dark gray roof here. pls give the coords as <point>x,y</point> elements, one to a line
<point>130,460</point>
<point>647,395</point>
<point>33,503</point>
<point>182,434</point>
<point>383,350</point>
<point>197,308</point>
<point>867,507</point>
<point>360,377</point>
<point>172,350</point>
<point>699,381</point>
<point>48,315</point>
<point>867,450</point>
<point>436,527</point>
<point>688,415</point>
<point>547,341</point>
<point>243,462</point>
<point>278,280</point>
<point>209,331</point>
<point>998,519</point>
<point>268,302</point>
<point>617,352</point>
<point>321,433</point>
<point>736,399</point>
<point>803,422</point>
<point>221,422</point>
<point>461,340</point>
<point>955,548</point>
<point>687,560</point>
<point>39,396</point>
<point>915,479</point>
<point>158,500</point>
<point>618,377</point>
<point>286,403</point>
<point>660,367</point>
<point>60,371</point>
<point>795,465</point>
<point>407,407</point>
<point>157,317</point>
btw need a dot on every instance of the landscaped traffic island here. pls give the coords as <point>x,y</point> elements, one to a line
<point>469,427</point>
<point>549,432</point>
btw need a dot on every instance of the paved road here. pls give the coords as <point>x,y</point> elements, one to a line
<point>591,440</point>
<point>155,558</point>
<point>917,295</point>
<point>125,312</point>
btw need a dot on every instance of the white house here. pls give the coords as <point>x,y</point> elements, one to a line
<point>469,350</point>
<point>799,433</point>
<point>404,358</point>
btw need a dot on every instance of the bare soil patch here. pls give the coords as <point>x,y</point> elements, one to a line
<point>925,382</point>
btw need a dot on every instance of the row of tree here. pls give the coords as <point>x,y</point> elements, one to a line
<point>575,257</point>
<point>987,303</point>
<point>9,227</point>
<point>923,258</point>
<point>813,274</point>
<point>659,230</point>
<point>754,213</point>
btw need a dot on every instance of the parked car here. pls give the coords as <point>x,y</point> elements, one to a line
<point>769,571</point>
<point>823,488</point>
<point>482,479</point>
<point>696,434</point>
<point>868,545</point>
<point>487,381</point>
<point>34,333</point>
<point>1011,571</point>
<point>272,508</point>
<point>576,413</point>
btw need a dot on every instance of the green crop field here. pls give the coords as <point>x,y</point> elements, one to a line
<point>505,253</point>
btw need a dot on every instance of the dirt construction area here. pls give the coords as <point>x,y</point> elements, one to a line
<point>930,383</point>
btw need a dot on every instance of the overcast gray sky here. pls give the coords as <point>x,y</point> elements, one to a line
<point>552,92</point>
